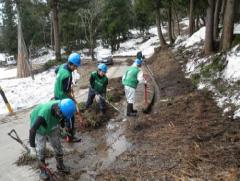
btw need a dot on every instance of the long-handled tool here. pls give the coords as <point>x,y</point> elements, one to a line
<point>6,101</point>
<point>13,134</point>
<point>80,119</point>
<point>109,103</point>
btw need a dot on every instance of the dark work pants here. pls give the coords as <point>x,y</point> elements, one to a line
<point>91,96</point>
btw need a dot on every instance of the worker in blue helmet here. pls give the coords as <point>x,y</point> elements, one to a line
<point>132,77</point>
<point>98,87</point>
<point>140,56</point>
<point>63,89</point>
<point>44,125</point>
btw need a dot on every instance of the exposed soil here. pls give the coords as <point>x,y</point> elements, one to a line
<point>185,137</point>
<point>92,116</point>
<point>25,159</point>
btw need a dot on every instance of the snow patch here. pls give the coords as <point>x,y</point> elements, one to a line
<point>231,72</point>
<point>24,93</point>
<point>197,37</point>
<point>236,29</point>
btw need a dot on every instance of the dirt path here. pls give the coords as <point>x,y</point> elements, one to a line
<point>186,137</point>
<point>110,136</point>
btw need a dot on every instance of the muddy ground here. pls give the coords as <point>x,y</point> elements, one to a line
<point>185,137</point>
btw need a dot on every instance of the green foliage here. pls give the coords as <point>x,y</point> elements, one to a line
<point>35,24</point>
<point>144,17</point>
<point>52,63</point>
<point>70,26</point>
<point>117,18</point>
<point>9,29</point>
<point>217,65</point>
<point>236,40</point>
<point>195,79</point>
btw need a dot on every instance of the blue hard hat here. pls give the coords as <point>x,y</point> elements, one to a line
<point>102,67</point>
<point>67,107</point>
<point>138,61</point>
<point>75,59</point>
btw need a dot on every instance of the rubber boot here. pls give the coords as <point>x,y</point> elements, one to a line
<point>134,110</point>
<point>43,173</point>
<point>76,139</point>
<point>130,110</point>
<point>61,167</point>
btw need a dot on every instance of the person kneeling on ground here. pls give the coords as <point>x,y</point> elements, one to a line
<point>98,87</point>
<point>44,124</point>
<point>130,80</point>
<point>63,89</point>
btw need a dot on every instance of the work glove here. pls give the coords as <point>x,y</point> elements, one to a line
<point>32,152</point>
<point>97,97</point>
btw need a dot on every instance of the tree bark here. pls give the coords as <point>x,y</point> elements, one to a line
<point>197,21</point>
<point>228,25</point>
<point>177,19</point>
<point>173,29</point>
<point>222,11</point>
<point>191,18</point>
<point>54,7</point>
<point>208,47</point>
<point>158,23</point>
<point>216,19</point>
<point>170,23</point>
<point>24,68</point>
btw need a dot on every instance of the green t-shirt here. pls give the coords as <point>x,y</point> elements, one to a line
<point>62,74</point>
<point>99,84</point>
<point>44,110</point>
<point>130,78</point>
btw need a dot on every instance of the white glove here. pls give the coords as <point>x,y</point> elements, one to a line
<point>32,152</point>
<point>145,82</point>
<point>97,97</point>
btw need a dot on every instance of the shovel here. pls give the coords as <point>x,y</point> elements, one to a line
<point>13,134</point>
<point>114,107</point>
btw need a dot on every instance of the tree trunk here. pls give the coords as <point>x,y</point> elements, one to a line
<point>191,18</point>
<point>208,47</point>
<point>173,29</point>
<point>24,68</point>
<point>204,21</point>
<point>54,7</point>
<point>158,23</point>
<point>222,12</point>
<point>177,19</point>
<point>228,25</point>
<point>197,23</point>
<point>51,33</point>
<point>91,43</point>
<point>170,23</point>
<point>216,19</point>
